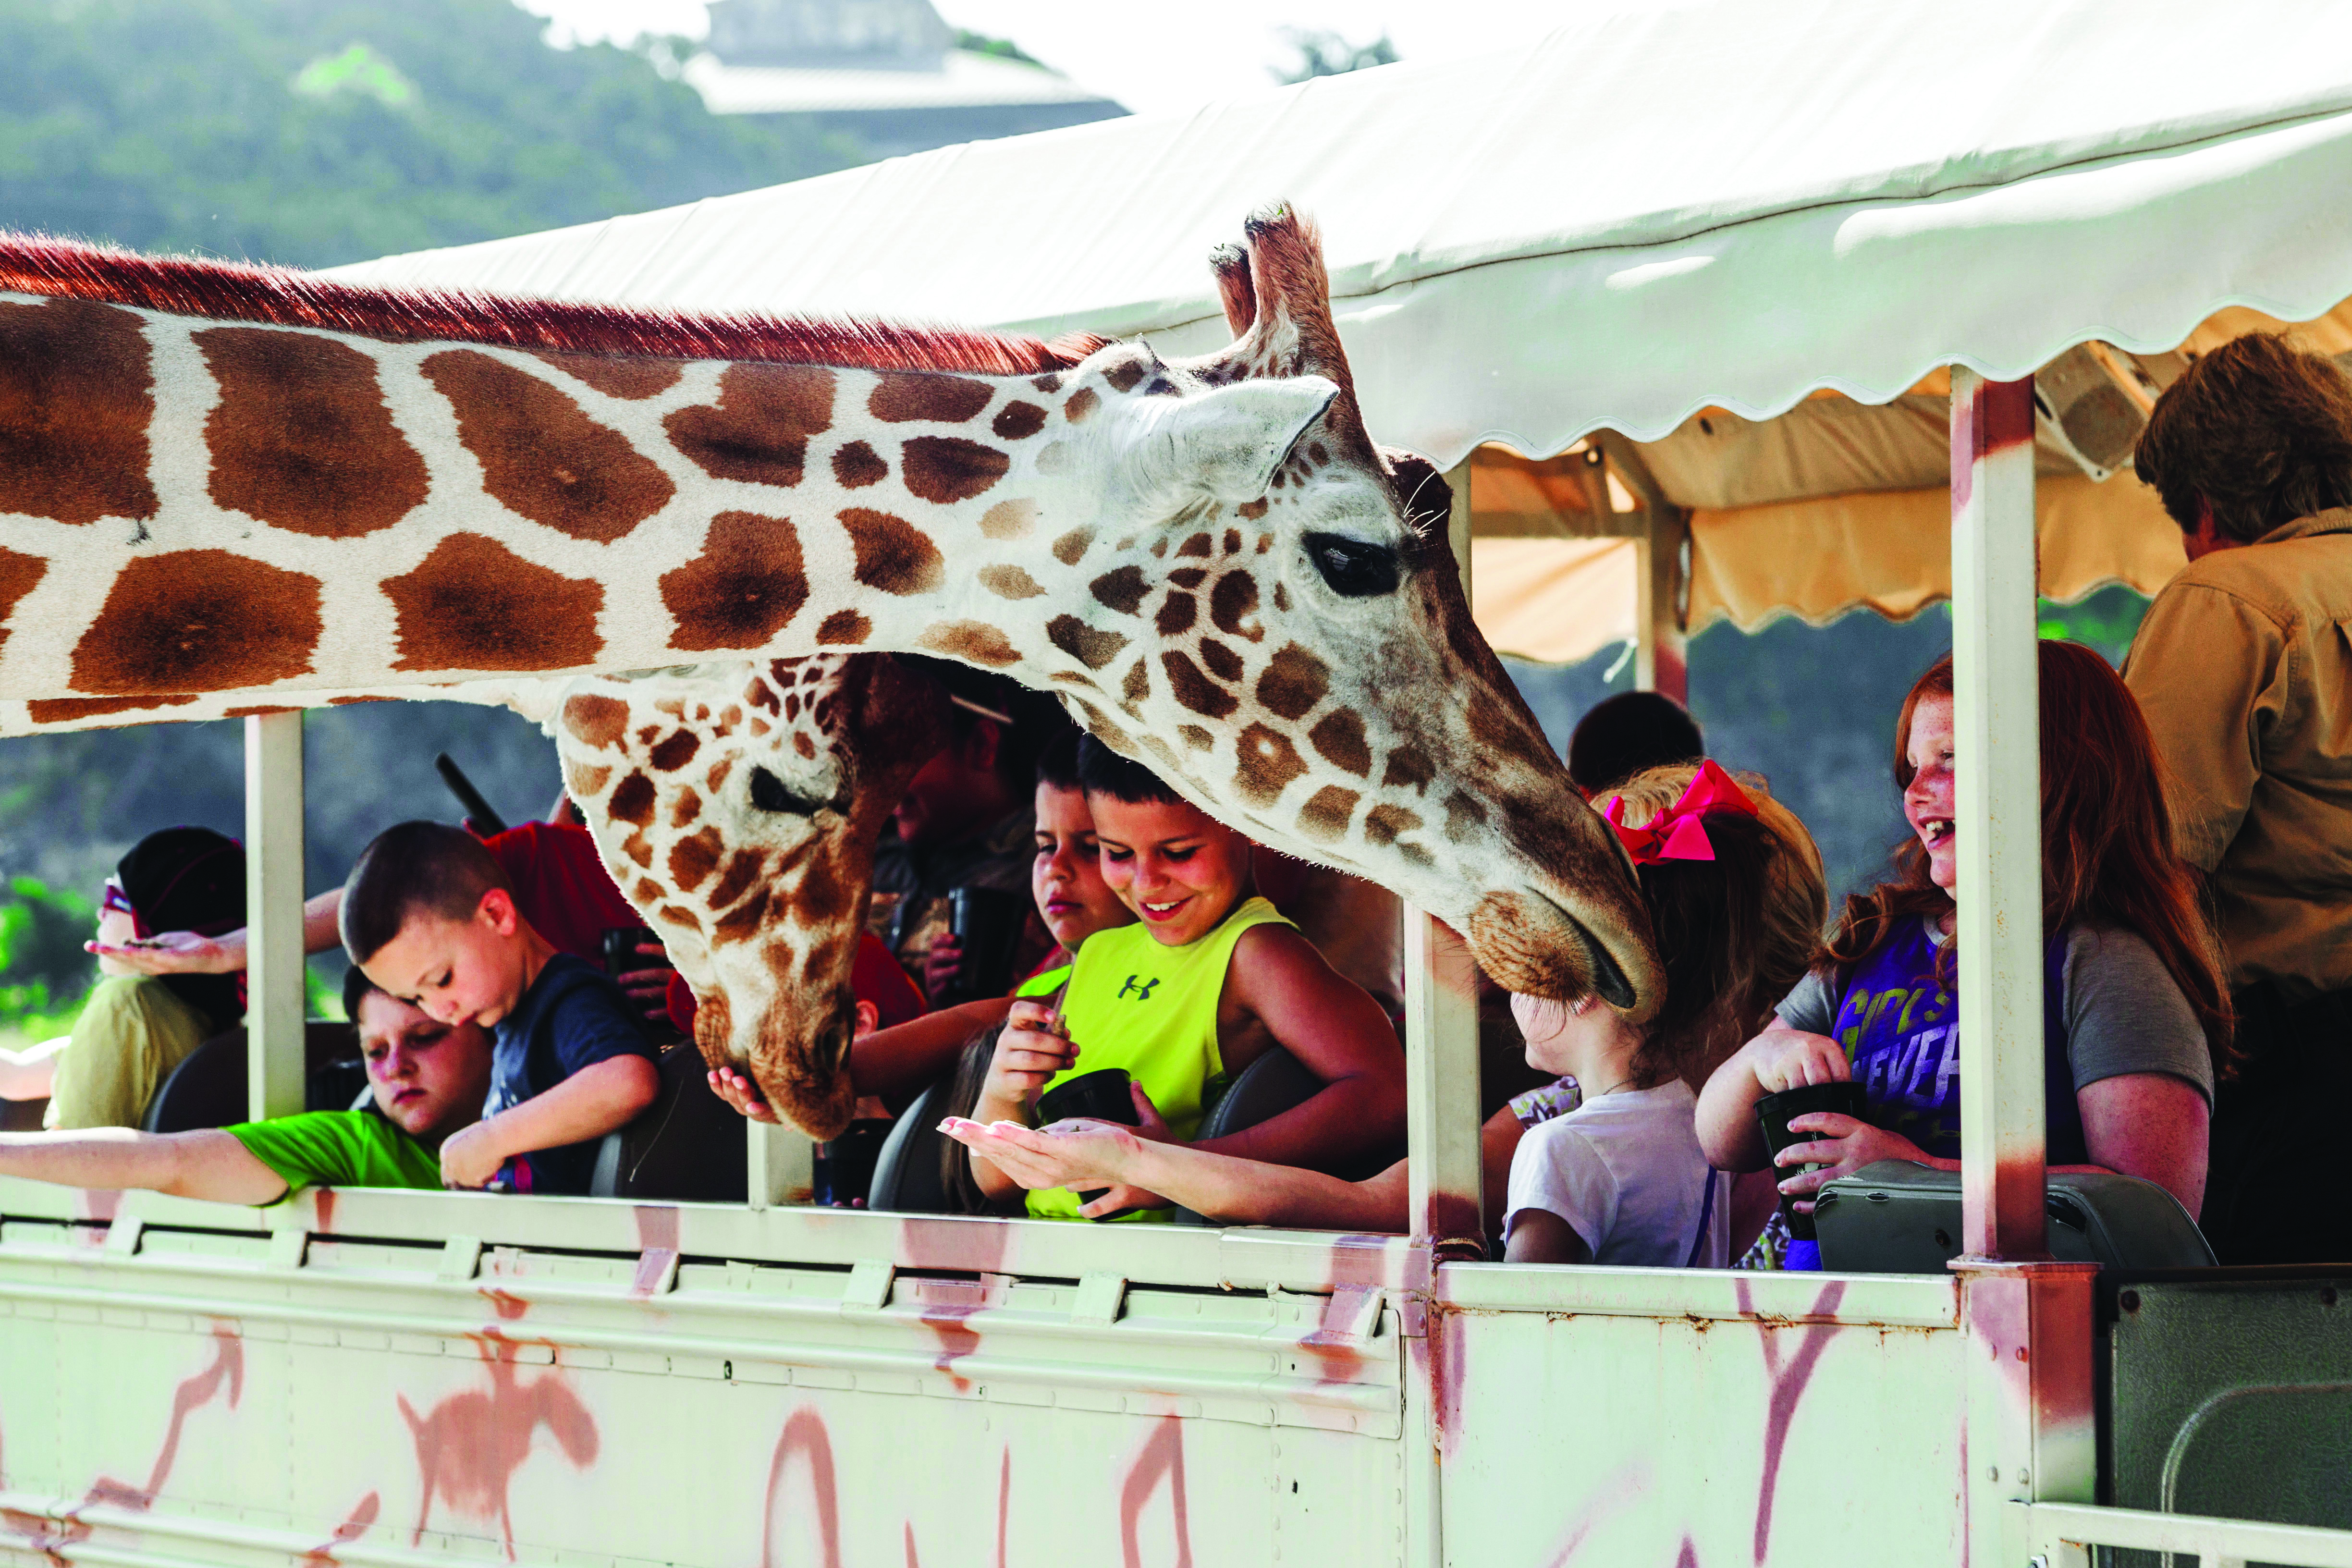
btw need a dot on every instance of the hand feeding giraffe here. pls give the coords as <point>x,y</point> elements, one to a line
<point>1208,560</point>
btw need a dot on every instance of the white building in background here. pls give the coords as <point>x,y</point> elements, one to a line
<point>887,71</point>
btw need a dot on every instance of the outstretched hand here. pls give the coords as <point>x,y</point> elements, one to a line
<point>742,1094</point>
<point>1079,1153</point>
<point>174,953</point>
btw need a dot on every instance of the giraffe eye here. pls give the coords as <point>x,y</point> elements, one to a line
<point>1355,568</point>
<point>769,793</point>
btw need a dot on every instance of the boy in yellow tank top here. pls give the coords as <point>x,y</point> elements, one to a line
<point>1207,980</point>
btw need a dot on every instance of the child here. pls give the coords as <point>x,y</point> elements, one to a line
<point>2137,1020</point>
<point>1616,1178</point>
<point>429,1080</point>
<point>429,915</point>
<point>898,1061</point>
<point>1208,979</point>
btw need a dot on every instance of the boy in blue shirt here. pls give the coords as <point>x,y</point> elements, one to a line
<point>429,916</point>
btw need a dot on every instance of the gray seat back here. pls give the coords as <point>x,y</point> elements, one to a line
<point>1897,1217</point>
<point>1265,1088</point>
<point>906,1171</point>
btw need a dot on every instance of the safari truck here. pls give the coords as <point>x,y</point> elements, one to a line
<point>1709,310</point>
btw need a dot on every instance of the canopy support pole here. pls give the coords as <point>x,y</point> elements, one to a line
<point>275,1058</point>
<point>2030,1430</point>
<point>1662,602</point>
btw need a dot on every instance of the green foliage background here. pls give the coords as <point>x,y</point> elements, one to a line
<point>178,125</point>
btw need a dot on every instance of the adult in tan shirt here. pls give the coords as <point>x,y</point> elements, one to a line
<point>2243,666</point>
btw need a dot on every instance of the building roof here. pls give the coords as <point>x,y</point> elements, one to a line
<point>964,80</point>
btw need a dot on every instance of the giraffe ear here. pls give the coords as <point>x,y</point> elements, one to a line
<point>1229,441</point>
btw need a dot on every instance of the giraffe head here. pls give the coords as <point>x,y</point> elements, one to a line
<point>737,806</point>
<point>1267,612</point>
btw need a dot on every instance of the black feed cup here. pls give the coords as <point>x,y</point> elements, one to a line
<point>1100,1096</point>
<point>1774,1111</point>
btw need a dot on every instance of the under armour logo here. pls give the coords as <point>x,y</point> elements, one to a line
<point>1142,991</point>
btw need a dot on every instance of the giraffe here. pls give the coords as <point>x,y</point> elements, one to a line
<point>229,489</point>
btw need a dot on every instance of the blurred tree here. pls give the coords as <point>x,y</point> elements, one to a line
<point>1002,49</point>
<point>1322,53</point>
<point>317,131</point>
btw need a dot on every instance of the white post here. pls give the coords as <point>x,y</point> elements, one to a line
<point>782,1168</point>
<point>275,1064</point>
<point>1997,725</point>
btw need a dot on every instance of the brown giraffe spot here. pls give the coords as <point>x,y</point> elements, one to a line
<point>1340,738</point>
<point>1232,542</point>
<point>633,801</point>
<point>1324,817</point>
<point>974,640</point>
<point>743,868</point>
<point>893,554</point>
<point>630,377</point>
<point>1164,750</point>
<point>637,849</point>
<point>1281,599</point>
<point>1008,582</point>
<point>198,620</point>
<point>596,721</point>
<point>648,891</point>
<point>1232,606</point>
<point>587,783</point>
<point>261,712</point>
<point>1194,689</point>
<point>1050,382</point>
<point>1159,548</point>
<point>1188,576</point>
<point>1409,767</point>
<point>791,705</point>
<point>1137,687</point>
<point>676,750</point>
<point>1252,510</point>
<point>845,627</point>
<point>758,431</point>
<point>1090,645</point>
<point>804,746</point>
<point>1018,421</point>
<point>949,468</point>
<point>1200,740</point>
<point>688,808</point>
<point>65,709</point>
<point>901,396</point>
<point>1463,817</point>
<point>716,780</point>
<point>1176,613</point>
<point>1269,763</point>
<point>759,727</point>
<point>1010,520</point>
<point>1318,454</point>
<point>1275,483</point>
<point>301,437</point>
<point>473,604</point>
<point>1123,378</point>
<point>1071,547</point>
<point>761,693</point>
<point>858,465</point>
<point>1198,545</point>
<point>346,701</point>
<point>1222,662</point>
<point>1384,823</point>
<point>541,455</point>
<point>713,1007</point>
<point>19,574</point>
<point>77,395</point>
<point>744,588</point>
<point>693,859</point>
<point>1122,590</point>
<point>1080,405</point>
<point>645,736</point>
<point>742,923</point>
<point>1294,682</point>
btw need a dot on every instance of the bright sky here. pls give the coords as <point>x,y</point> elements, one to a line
<point>1151,57</point>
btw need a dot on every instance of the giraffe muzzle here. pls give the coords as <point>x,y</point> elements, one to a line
<point>1521,939</point>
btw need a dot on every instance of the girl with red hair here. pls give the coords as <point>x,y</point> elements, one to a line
<point>2136,1023</point>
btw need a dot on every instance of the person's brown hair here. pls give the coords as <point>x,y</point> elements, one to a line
<point>2257,429</point>
<point>411,869</point>
<point>2108,857</point>
<point>1733,933</point>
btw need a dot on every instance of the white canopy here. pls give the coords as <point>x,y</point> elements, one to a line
<point>1630,222</point>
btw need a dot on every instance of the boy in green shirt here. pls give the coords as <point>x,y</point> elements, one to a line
<point>429,1080</point>
<point>1208,979</point>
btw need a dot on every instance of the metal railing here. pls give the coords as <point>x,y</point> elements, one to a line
<point>2060,1535</point>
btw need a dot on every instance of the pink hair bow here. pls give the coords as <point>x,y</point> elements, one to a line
<point>1677,833</point>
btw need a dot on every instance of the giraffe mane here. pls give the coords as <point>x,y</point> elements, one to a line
<point>282,296</point>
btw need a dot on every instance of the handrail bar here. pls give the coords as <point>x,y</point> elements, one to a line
<point>2058,1534</point>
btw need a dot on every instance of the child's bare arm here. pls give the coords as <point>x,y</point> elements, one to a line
<point>592,1102</point>
<point>1336,1032</point>
<point>31,1073</point>
<point>210,1165</point>
<point>1030,1051</point>
<point>908,1058</point>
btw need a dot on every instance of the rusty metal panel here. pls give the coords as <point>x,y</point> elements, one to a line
<point>1613,1427</point>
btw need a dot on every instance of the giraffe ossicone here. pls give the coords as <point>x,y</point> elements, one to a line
<point>225,489</point>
